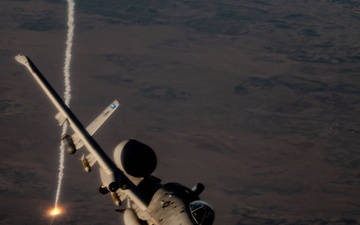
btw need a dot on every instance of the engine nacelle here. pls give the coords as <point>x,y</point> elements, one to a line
<point>135,158</point>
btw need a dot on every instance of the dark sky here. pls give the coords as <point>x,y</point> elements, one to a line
<point>258,100</point>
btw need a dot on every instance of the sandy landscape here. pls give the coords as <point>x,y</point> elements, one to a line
<point>258,100</point>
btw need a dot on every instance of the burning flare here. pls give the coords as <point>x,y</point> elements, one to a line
<point>55,211</point>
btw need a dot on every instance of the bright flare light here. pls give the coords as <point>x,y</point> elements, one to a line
<point>55,211</point>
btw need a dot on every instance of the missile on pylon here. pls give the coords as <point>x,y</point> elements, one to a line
<point>85,163</point>
<point>115,197</point>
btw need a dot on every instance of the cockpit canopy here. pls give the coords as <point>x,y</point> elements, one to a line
<point>202,213</point>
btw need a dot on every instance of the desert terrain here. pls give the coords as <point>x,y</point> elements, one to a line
<point>259,100</point>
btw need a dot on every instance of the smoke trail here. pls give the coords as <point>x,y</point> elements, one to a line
<point>67,92</point>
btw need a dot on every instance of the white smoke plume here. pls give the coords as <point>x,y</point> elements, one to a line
<point>67,92</point>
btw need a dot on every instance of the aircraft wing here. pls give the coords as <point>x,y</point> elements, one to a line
<point>96,124</point>
<point>67,115</point>
<point>112,177</point>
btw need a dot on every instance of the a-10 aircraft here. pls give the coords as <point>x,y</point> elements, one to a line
<point>130,177</point>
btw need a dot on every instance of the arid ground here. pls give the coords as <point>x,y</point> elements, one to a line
<point>259,100</point>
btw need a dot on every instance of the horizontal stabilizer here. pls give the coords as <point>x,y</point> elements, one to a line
<point>97,123</point>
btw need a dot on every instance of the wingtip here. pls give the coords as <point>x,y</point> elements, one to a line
<point>21,58</point>
<point>116,102</point>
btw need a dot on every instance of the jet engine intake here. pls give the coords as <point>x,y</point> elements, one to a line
<point>135,158</point>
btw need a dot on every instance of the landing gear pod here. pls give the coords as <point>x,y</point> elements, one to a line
<point>135,158</point>
<point>69,144</point>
